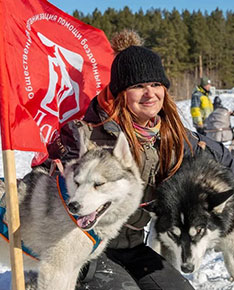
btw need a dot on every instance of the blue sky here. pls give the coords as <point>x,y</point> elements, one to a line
<point>88,6</point>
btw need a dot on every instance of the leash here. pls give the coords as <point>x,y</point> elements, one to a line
<point>142,205</point>
<point>56,163</point>
<point>62,189</point>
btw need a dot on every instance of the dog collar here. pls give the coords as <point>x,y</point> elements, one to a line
<point>62,189</point>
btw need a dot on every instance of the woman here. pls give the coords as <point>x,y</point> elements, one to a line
<point>137,102</point>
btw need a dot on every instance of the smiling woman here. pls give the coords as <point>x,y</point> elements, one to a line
<point>137,99</point>
<point>145,100</point>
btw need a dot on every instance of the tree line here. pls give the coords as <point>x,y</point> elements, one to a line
<point>191,44</point>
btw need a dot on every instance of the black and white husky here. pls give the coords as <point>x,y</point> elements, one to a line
<point>195,212</point>
<point>103,189</point>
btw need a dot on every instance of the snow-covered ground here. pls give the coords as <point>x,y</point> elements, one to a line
<point>212,274</point>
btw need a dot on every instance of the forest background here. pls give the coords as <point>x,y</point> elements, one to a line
<point>191,44</point>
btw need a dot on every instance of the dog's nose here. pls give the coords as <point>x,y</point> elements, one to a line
<point>187,268</point>
<point>73,207</point>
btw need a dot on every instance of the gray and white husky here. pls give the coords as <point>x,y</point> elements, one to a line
<point>195,212</point>
<point>103,189</point>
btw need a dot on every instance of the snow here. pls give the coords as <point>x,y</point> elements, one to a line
<point>212,274</point>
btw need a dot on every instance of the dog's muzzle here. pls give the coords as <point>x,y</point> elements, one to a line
<point>187,268</point>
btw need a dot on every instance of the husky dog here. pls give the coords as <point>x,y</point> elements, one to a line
<point>194,212</point>
<point>103,188</point>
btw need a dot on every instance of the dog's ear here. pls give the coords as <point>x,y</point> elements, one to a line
<point>85,143</point>
<point>216,202</point>
<point>122,151</point>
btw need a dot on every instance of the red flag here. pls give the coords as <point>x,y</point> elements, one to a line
<point>52,65</point>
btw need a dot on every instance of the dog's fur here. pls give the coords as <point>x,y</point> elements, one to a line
<point>194,212</point>
<point>100,177</point>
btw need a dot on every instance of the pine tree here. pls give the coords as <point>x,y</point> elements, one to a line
<point>199,46</point>
<point>190,44</point>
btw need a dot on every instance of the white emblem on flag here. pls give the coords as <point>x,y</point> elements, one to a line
<point>68,88</point>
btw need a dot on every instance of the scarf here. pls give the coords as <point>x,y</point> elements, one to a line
<point>149,133</point>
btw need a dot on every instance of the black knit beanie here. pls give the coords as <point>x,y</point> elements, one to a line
<point>133,65</point>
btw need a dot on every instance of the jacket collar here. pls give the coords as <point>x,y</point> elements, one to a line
<point>203,90</point>
<point>95,114</point>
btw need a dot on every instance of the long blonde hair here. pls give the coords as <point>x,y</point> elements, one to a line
<point>172,133</point>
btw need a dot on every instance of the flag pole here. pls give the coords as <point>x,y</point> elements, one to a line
<point>12,205</point>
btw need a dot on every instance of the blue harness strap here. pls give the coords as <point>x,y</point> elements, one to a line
<point>62,188</point>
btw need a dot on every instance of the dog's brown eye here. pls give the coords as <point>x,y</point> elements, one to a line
<point>200,230</point>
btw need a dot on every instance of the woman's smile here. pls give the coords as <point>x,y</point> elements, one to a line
<point>148,103</point>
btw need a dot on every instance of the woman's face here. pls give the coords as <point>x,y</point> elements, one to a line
<point>145,100</point>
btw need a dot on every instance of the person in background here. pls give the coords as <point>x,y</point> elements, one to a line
<point>218,124</point>
<point>201,104</point>
<point>136,102</point>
